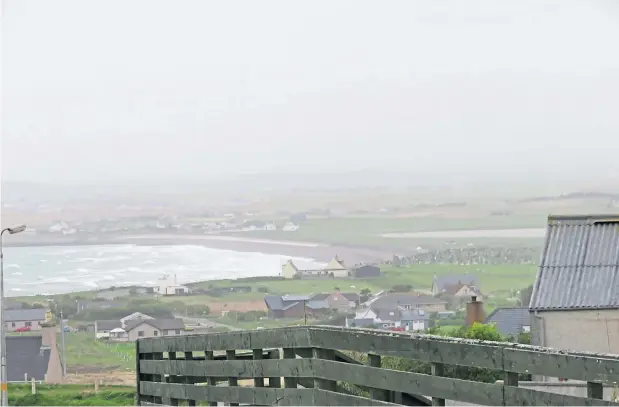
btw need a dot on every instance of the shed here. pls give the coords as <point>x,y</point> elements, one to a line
<point>577,285</point>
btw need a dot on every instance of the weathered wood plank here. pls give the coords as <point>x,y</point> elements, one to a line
<point>438,369</point>
<point>241,340</point>
<point>421,347</point>
<point>569,365</point>
<point>330,398</point>
<point>518,396</point>
<point>242,369</point>
<point>415,383</point>
<point>245,395</point>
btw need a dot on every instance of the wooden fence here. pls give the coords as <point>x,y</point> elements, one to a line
<point>312,365</point>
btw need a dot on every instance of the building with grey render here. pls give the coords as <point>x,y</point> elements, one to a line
<point>575,299</point>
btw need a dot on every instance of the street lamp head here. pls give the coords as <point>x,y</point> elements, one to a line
<point>16,229</point>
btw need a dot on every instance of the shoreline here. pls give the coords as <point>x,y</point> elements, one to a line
<point>321,252</point>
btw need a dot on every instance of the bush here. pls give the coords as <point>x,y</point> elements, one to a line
<point>263,289</point>
<point>402,288</point>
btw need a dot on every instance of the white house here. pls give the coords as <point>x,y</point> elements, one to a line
<point>165,286</point>
<point>290,227</point>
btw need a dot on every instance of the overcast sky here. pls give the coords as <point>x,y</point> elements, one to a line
<point>95,91</point>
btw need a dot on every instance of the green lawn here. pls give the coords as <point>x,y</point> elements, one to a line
<point>70,395</point>
<point>83,350</point>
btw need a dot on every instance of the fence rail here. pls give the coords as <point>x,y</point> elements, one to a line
<point>306,366</point>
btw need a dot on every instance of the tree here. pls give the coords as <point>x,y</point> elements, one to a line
<point>365,294</point>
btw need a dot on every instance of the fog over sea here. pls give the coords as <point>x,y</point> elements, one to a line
<point>63,269</point>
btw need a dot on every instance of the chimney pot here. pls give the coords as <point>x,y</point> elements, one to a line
<point>474,311</point>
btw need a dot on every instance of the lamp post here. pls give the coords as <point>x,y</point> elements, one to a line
<point>4,379</point>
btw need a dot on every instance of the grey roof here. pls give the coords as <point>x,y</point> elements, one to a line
<point>388,314</point>
<point>414,315</point>
<point>509,321</point>
<point>284,302</point>
<point>579,268</point>
<point>391,301</point>
<point>442,281</point>
<point>317,304</point>
<point>32,314</point>
<point>107,325</point>
<point>161,324</point>
<point>25,355</point>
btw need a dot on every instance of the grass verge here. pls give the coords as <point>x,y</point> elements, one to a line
<point>70,395</point>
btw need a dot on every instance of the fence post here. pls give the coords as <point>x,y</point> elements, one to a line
<point>438,370</point>
<point>257,355</point>
<point>232,381</point>
<point>377,394</point>
<point>209,355</point>
<point>137,373</point>
<point>275,382</point>
<point>33,386</point>
<point>96,387</point>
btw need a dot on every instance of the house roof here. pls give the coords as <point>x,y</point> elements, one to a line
<point>161,324</point>
<point>33,314</point>
<point>392,301</point>
<point>509,321</point>
<point>26,355</point>
<point>453,289</point>
<point>107,325</point>
<point>317,304</point>
<point>388,314</point>
<point>323,296</point>
<point>442,281</point>
<point>579,268</point>
<point>282,303</point>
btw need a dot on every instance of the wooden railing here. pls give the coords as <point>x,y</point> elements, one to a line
<point>312,365</point>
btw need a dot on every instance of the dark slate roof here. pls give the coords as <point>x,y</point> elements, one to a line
<point>391,301</point>
<point>509,321</point>
<point>315,305</point>
<point>579,268</point>
<point>24,354</point>
<point>284,302</point>
<point>161,324</point>
<point>442,281</point>
<point>34,314</point>
<point>108,325</point>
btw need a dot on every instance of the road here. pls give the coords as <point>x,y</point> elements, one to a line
<point>205,321</point>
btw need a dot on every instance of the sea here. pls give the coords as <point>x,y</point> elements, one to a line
<point>47,270</point>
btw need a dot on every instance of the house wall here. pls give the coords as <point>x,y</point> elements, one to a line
<point>298,311</point>
<point>598,330</point>
<point>288,270</point>
<point>149,332</point>
<point>14,325</point>
<point>415,325</point>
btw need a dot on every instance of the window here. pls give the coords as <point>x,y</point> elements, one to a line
<point>156,333</point>
<point>526,329</point>
<point>140,333</point>
<point>178,331</point>
<point>28,323</point>
<point>13,324</point>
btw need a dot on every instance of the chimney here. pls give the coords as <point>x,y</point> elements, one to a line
<point>474,311</point>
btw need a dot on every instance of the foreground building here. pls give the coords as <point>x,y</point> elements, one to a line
<point>575,299</point>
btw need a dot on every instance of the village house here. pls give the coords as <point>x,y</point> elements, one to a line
<point>410,320</point>
<point>575,299</point>
<point>339,301</point>
<point>463,285</point>
<point>167,286</point>
<point>409,301</point>
<point>294,306</point>
<point>26,319</point>
<point>138,325</point>
<point>334,269</point>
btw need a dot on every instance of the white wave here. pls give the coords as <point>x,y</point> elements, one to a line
<point>17,273</point>
<point>15,289</point>
<point>82,270</point>
<point>56,280</point>
<point>91,284</point>
<point>109,278</point>
<point>12,266</point>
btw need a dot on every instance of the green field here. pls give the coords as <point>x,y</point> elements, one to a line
<point>83,350</point>
<point>70,395</point>
<point>367,230</point>
<point>492,278</point>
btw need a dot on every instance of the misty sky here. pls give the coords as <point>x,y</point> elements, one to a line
<point>178,89</point>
